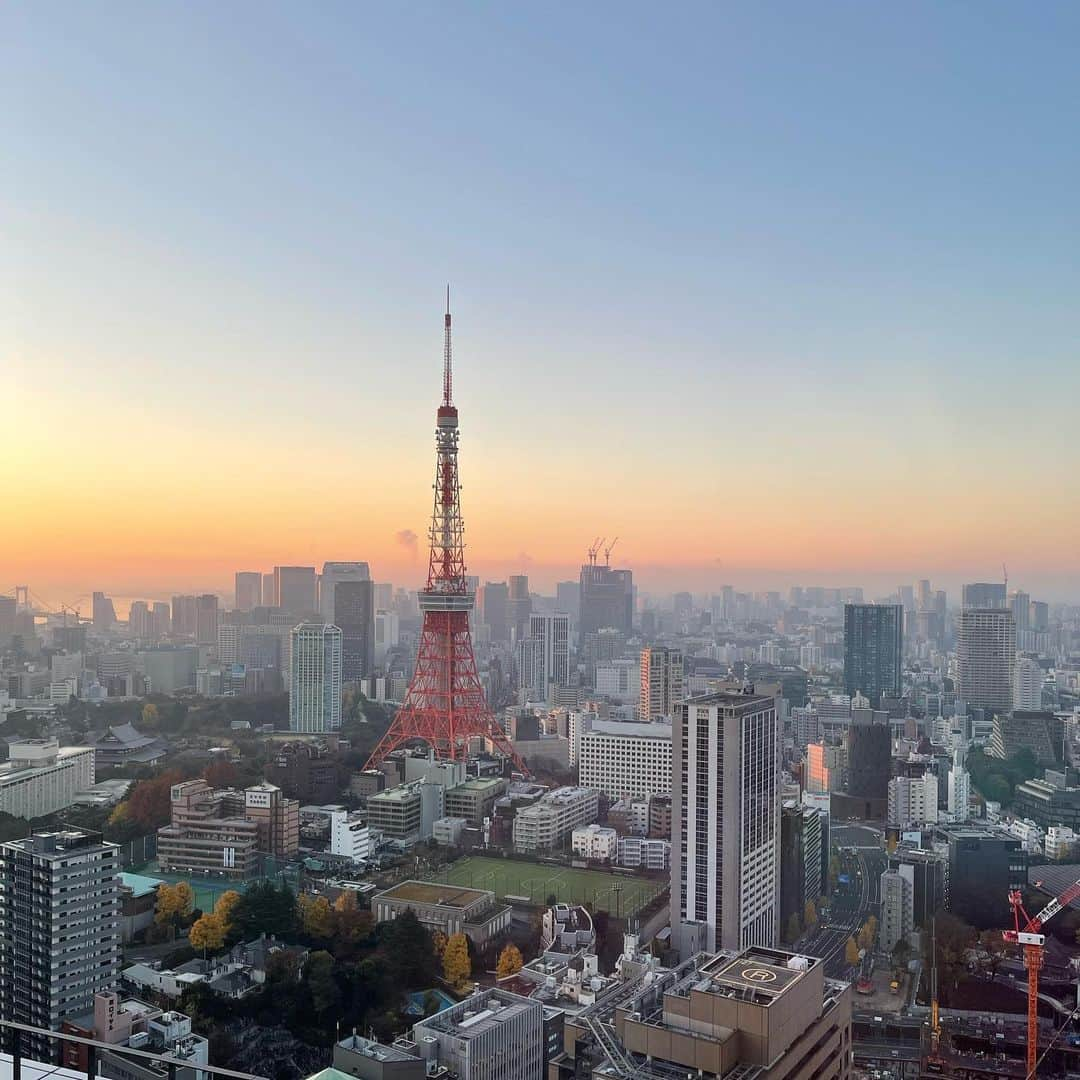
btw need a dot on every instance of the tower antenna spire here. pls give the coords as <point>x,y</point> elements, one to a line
<point>448,368</point>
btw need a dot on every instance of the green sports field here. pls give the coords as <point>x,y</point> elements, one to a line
<point>616,893</point>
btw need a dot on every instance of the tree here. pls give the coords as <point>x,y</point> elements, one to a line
<point>510,961</point>
<point>315,917</point>
<point>221,774</point>
<point>207,933</point>
<point>150,802</point>
<point>349,923</point>
<point>868,933</point>
<point>226,904</point>
<point>174,904</point>
<point>405,944</point>
<point>809,915</point>
<point>993,945</point>
<point>457,968</point>
<point>320,982</point>
<point>151,718</point>
<point>851,952</point>
<point>265,908</point>
<point>438,943</point>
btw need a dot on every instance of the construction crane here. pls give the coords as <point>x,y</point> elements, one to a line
<point>1027,932</point>
<point>594,549</point>
<point>608,550</point>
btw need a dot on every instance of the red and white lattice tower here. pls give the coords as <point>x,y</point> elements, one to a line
<point>445,705</point>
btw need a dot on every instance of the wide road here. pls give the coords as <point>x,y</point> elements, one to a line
<point>855,898</point>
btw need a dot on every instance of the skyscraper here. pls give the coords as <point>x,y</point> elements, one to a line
<point>873,650</point>
<point>332,574</point>
<point>518,605</point>
<point>354,614</point>
<point>725,843</point>
<point>104,614</point>
<point>492,604</point>
<point>315,678</point>
<point>607,599</point>
<point>1020,606</point>
<point>986,658</point>
<point>983,594</point>
<point>661,681</point>
<point>544,654</point>
<point>59,930</point>
<point>207,617</point>
<point>294,589</point>
<point>8,608</point>
<point>183,616</point>
<point>568,599</point>
<point>248,589</point>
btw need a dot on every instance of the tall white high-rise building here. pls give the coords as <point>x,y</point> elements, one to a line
<point>1027,684</point>
<point>725,816</point>
<point>661,681</point>
<point>986,658</point>
<point>913,800</point>
<point>544,655</point>
<point>315,677</point>
<point>959,787</point>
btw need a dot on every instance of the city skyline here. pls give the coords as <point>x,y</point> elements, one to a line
<point>848,377</point>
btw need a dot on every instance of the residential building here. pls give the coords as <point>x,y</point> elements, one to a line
<point>493,1035</point>
<point>661,681</point>
<point>450,909</point>
<point>1027,684</point>
<point>548,823</point>
<point>873,650</point>
<point>897,891</point>
<point>986,658</point>
<point>594,842</point>
<point>315,678</point>
<point>183,616</point>
<point>725,863</point>
<point>625,759</point>
<point>59,931</point>
<point>660,817</point>
<point>959,788</point>
<point>758,1012</point>
<point>1061,843</point>
<point>912,801</point>
<point>41,777</point>
<point>248,590</point>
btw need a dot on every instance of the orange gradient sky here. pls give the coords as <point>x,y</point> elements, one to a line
<point>800,307</point>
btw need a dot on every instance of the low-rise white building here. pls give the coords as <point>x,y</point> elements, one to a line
<point>349,836</point>
<point>643,852</point>
<point>548,823</point>
<point>1061,842</point>
<point>41,777</point>
<point>596,842</point>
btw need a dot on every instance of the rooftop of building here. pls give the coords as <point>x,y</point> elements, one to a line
<point>483,1012</point>
<point>15,770</point>
<point>139,884</point>
<point>398,793</point>
<point>730,698</point>
<point>759,975</point>
<point>58,843</point>
<point>479,784</point>
<point>430,892</point>
<point>369,1048</point>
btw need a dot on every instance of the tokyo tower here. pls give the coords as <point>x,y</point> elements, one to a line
<point>445,704</point>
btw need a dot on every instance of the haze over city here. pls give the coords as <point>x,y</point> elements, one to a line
<point>770,316</point>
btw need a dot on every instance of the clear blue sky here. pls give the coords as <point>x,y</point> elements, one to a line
<point>826,252</point>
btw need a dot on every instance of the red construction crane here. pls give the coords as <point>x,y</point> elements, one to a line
<point>1027,932</point>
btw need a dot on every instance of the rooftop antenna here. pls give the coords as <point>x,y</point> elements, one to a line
<point>448,372</point>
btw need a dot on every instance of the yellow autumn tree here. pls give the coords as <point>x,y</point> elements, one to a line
<point>316,916</point>
<point>223,909</point>
<point>151,718</point>
<point>456,964</point>
<point>510,961</point>
<point>120,815</point>
<point>174,903</point>
<point>207,933</point>
<point>851,952</point>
